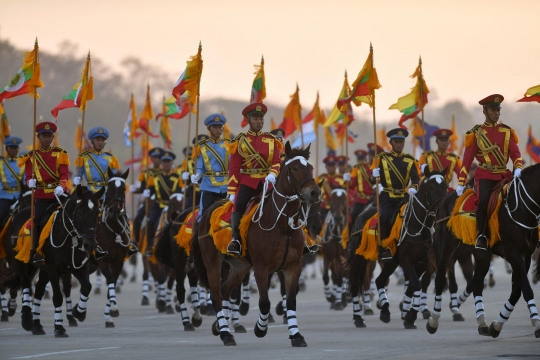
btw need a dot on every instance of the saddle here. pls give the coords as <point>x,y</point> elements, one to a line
<point>471,203</point>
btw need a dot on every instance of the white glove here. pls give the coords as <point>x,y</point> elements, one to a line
<point>146,193</point>
<point>133,189</point>
<point>59,191</point>
<point>347,176</point>
<point>185,175</point>
<point>422,167</point>
<point>412,191</point>
<point>195,178</point>
<point>179,197</point>
<point>153,197</point>
<point>77,180</point>
<point>270,178</point>
<point>32,183</point>
<point>517,173</point>
<point>231,198</point>
<point>381,188</point>
<point>460,189</point>
<point>376,172</point>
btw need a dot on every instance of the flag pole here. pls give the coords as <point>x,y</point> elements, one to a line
<point>81,146</point>
<point>300,116</point>
<point>422,101</point>
<point>187,152</point>
<point>132,173</point>
<point>147,155</point>
<point>32,206</point>
<point>375,148</point>
<point>163,112</point>
<point>316,128</point>
<point>196,133</point>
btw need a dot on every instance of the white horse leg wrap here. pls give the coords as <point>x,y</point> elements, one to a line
<point>225,306</point>
<point>222,322</point>
<point>356,306</point>
<point>366,299</point>
<point>479,304</point>
<point>145,288</point>
<point>372,287</point>
<point>26,301</point>
<point>202,296</point>
<point>291,321</point>
<point>463,297</point>
<point>69,306</point>
<point>98,281</point>
<point>161,295</point>
<point>327,291</point>
<point>406,286</point>
<point>453,302</point>
<point>416,301</point>
<point>505,313</point>
<point>184,313</point>
<point>438,305</point>
<point>82,303</point>
<point>245,294</point>
<point>235,314</point>
<point>194,297</point>
<point>423,301</point>
<point>406,303</point>
<point>3,302</point>
<point>382,297</point>
<point>338,294</point>
<point>284,302</point>
<point>36,310</point>
<point>107,313</point>
<point>209,299</point>
<point>262,322</point>
<point>532,309</point>
<point>112,294</point>
<point>58,316</point>
<point>168,298</point>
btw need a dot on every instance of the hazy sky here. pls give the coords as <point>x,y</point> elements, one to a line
<point>470,49</point>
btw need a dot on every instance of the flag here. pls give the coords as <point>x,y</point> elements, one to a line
<point>5,130</point>
<point>273,125</point>
<point>329,138</point>
<point>532,94</point>
<point>132,123</point>
<point>292,117</point>
<point>363,88</point>
<point>345,112</point>
<point>340,134</point>
<point>309,124</point>
<point>173,110</point>
<point>454,138</point>
<point>81,93</point>
<point>412,104</point>
<point>146,115</point>
<point>165,132</point>
<point>533,147</point>
<point>85,142</point>
<point>258,88</point>
<point>382,139</point>
<point>190,79</point>
<point>227,133</point>
<point>27,78</point>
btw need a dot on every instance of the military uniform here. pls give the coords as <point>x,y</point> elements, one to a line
<point>187,169</point>
<point>492,145</point>
<point>438,160</point>
<point>212,166</point>
<point>93,164</point>
<point>51,173</point>
<point>11,177</point>
<point>330,181</point>
<point>279,134</point>
<point>360,185</point>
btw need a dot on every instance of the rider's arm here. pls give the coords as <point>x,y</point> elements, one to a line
<point>234,169</point>
<point>471,148</point>
<point>513,151</point>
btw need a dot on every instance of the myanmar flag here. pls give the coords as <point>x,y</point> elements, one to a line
<point>532,94</point>
<point>172,110</point>
<point>27,78</point>
<point>533,147</point>
<point>258,88</point>
<point>412,104</point>
<point>4,124</point>
<point>82,92</point>
<point>146,115</point>
<point>190,79</point>
<point>344,113</point>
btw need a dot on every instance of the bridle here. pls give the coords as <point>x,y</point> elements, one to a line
<point>519,191</point>
<point>121,220</point>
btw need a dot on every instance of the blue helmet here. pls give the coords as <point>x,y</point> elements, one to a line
<point>12,141</point>
<point>98,132</point>
<point>215,119</point>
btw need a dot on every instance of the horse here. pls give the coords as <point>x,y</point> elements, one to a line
<point>332,249</point>
<point>414,239</point>
<point>274,242</point>
<point>516,220</point>
<point>71,242</point>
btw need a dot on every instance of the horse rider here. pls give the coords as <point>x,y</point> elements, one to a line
<point>94,163</point>
<point>280,135</point>
<point>360,183</point>
<point>212,163</point>
<point>331,180</point>
<point>143,179</point>
<point>162,185</point>
<point>399,180</point>
<point>12,177</point>
<point>49,177</point>
<point>255,160</point>
<point>441,159</point>
<point>492,144</point>
<point>188,168</point>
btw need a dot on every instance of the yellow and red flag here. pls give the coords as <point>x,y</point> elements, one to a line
<point>532,94</point>
<point>27,79</point>
<point>190,79</point>
<point>454,138</point>
<point>5,130</point>
<point>344,113</point>
<point>292,117</point>
<point>258,88</point>
<point>146,115</point>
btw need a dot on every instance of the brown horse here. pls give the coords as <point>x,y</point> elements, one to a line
<point>274,242</point>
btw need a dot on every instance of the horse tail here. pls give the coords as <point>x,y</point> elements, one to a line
<point>163,246</point>
<point>198,262</point>
<point>537,266</point>
<point>11,276</point>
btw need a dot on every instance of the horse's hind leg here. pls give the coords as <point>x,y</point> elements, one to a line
<point>111,308</point>
<point>467,267</point>
<point>366,296</point>
<point>292,274</point>
<point>26,310</point>
<point>38,296</point>
<point>12,303</point>
<point>326,278</point>
<point>244,305</point>
<point>380,282</point>
<point>66,282</point>
<point>235,310</point>
<point>497,325</point>
<point>281,307</point>
<point>59,330</point>
<point>196,319</point>
<point>4,304</point>
<point>482,260</point>
<point>145,284</point>
<point>357,276</point>
<point>425,281</point>
<point>169,297</point>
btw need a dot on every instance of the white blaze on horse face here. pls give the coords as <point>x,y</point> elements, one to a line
<point>302,160</point>
<point>438,178</point>
<point>117,181</point>
<point>90,204</point>
<point>339,192</point>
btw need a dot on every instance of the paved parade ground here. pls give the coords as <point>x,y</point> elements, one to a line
<point>142,333</point>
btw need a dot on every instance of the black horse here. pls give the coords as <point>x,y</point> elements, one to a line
<point>518,228</point>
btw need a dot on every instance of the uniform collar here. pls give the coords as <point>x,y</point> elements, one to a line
<point>489,124</point>
<point>166,173</point>
<point>11,158</point>
<point>361,163</point>
<point>393,153</point>
<point>253,133</point>
<point>215,141</point>
<point>442,153</point>
<point>97,152</point>
<point>44,150</point>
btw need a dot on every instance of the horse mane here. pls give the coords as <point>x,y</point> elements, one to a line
<point>298,151</point>
<point>530,169</point>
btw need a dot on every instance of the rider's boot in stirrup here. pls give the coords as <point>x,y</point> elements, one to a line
<point>235,247</point>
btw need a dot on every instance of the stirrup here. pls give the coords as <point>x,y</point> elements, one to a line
<point>132,249</point>
<point>234,248</point>
<point>481,244</point>
<point>311,249</point>
<point>385,255</point>
<point>37,259</point>
<point>99,253</point>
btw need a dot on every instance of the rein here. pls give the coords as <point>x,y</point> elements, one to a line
<point>519,190</point>
<point>124,225</point>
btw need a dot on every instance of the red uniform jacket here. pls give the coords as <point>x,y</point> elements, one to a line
<point>363,189</point>
<point>492,146</point>
<point>52,170</point>
<point>437,160</point>
<point>336,180</point>
<point>253,156</point>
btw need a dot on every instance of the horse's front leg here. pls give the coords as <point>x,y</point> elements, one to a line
<point>412,294</point>
<point>326,278</point>
<point>482,260</point>
<point>111,307</point>
<point>38,296</point>
<point>66,282</point>
<point>82,274</point>
<point>4,304</point>
<point>292,274</point>
<point>381,281</point>
<point>26,285</point>
<point>59,330</point>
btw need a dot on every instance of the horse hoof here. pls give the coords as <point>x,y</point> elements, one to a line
<point>332,306</point>
<point>240,329</point>
<point>385,314</point>
<point>401,306</point>
<point>38,330</point>
<point>60,332</point>
<point>71,321</point>
<point>109,324</point>
<point>537,333</point>
<point>279,308</point>
<point>227,338</point>
<point>4,317</point>
<point>457,317</point>
<point>81,316</point>
<point>215,328</point>
<point>161,306</point>
<point>494,332</point>
<point>189,327</point>
<point>426,314</point>
<point>188,298</point>
<point>202,309</point>
<point>483,330</point>
<point>145,301</point>
<point>409,326</point>
<point>115,313</point>
<point>97,291</point>
<point>379,306</point>
<point>338,306</point>
<point>244,308</point>
<point>169,310</point>
<point>258,332</point>
<point>297,340</point>
<point>332,298</point>
<point>368,311</point>
<point>196,321</point>
<point>359,322</point>
<point>177,308</point>
<point>133,279</point>
<point>430,329</point>
<point>118,290</point>
<point>46,295</point>
<point>210,311</point>
<point>11,311</point>
<point>26,318</point>
<point>271,318</point>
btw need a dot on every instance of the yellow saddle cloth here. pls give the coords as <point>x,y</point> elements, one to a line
<point>24,241</point>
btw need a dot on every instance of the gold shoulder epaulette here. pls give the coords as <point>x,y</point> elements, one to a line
<point>473,130</point>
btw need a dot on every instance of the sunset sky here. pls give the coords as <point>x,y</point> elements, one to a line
<point>470,49</point>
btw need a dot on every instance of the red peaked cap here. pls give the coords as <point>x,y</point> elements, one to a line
<point>360,153</point>
<point>46,127</point>
<point>494,101</point>
<point>330,160</point>
<point>443,133</point>
<point>371,148</point>
<point>255,108</point>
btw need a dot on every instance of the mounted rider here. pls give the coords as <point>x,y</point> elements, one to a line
<point>331,180</point>
<point>360,182</point>
<point>492,144</point>
<point>440,159</point>
<point>280,135</point>
<point>187,169</point>
<point>255,160</point>
<point>11,176</point>
<point>212,163</point>
<point>49,177</point>
<point>398,170</point>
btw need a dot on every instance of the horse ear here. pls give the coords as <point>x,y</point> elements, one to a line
<point>320,184</point>
<point>427,172</point>
<point>332,186</point>
<point>125,174</point>
<point>97,195</point>
<point>445,171</point>
<point>288,149</point>
<point>109,172</point>
<point>79,191</point>
<point>307,151</point>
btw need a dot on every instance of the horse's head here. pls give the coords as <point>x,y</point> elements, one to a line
<point>84,213</point>
<point>314,221</point>
<point>433,188</point>
<point>175,206</point>
<point>115,196</point>
<point>297,175</point>
<point>25,198</point>
<point>338,203</point>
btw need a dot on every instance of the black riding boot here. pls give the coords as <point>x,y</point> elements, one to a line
<point>235,247</point>
<point>481,242</point>
<point>385,255</point>
<point>132,249</point>
<point>37,259</point>
<point>99,253</point>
